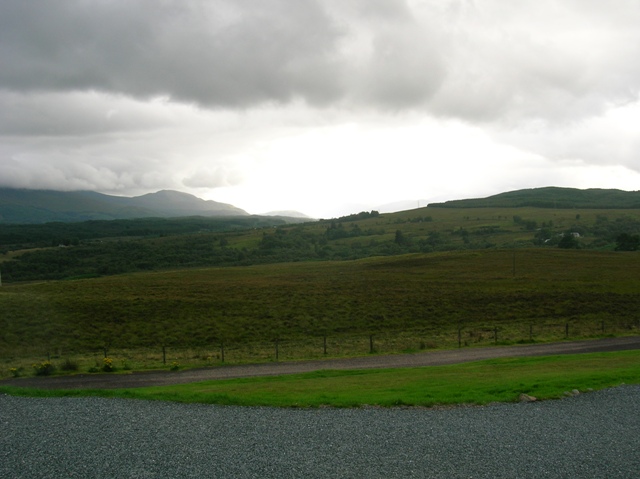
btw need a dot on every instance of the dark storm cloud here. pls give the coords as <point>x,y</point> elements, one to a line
<point>476,61</point>
<point>222,53</point>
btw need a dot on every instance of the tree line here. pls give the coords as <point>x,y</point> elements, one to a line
<point>157,244</point>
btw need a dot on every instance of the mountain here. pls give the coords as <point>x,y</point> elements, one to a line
<point>169,203</point>
<point>552,197</point>
<point>288,214</point>
<point>42,206</point>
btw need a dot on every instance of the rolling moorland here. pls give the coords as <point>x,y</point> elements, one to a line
<point>152,292</point>
<point>59,250</point>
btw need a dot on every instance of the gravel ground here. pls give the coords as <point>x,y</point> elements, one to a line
<point>593,435</point>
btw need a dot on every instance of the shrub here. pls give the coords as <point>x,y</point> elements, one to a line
<point>45,368</point>
<point>107,365</point>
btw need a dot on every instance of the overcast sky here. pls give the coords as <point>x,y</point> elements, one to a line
<point>328,107</point>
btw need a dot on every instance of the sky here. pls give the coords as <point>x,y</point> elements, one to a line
<point>327,107</point>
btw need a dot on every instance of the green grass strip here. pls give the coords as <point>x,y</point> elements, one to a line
<point>498,380</point>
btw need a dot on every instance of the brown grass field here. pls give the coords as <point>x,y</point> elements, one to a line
<point>308,310</point>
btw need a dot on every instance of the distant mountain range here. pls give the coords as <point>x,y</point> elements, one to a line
<point>41,206</point>
<point>287,214</point>
<point>552,197</point>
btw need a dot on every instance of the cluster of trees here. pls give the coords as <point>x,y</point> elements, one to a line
<point>620,232</point>
<point>98,258</point>
<point>21,236</point>
<point>529,225</point>
<point>363,215</point>
<point>627,242</point>
<point>156,244</point>
<point>116,257</point>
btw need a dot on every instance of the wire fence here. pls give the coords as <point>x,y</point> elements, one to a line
<point>220,352</point>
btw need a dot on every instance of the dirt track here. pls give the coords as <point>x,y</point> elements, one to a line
<point>434,358</point>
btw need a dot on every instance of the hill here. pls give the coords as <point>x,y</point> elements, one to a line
<point>22,206</point>
<point>552,197</point>
<point>430,277</point>
<point>98,248</point>
<point>415,301</point>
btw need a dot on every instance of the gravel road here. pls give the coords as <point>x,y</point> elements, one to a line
<point>433,358</point>
<point>592,435</point>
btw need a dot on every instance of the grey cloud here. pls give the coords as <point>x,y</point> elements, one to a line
<point>112,162</point>
<point>50,171</point>
<point>404,68</point>
<point>557,61</point>
<point>74,113</point>
<point>610,140</point>
<point>212,177</point>
<point>221,53</point>
<point>479,62</point>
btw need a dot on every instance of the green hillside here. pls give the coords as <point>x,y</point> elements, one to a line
<point>552,197</point>
<point>22,206</point>
<point>203,290</point>
<point>400,303</point>
<point>33,252</point>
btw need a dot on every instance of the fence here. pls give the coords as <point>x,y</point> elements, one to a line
<point>320,346</point>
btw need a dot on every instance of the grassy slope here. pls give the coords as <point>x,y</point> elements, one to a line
<point>554,197</point>
<point>430,295</point>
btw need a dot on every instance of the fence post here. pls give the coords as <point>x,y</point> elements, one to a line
<point>566,331</point>
<point>277,352</point>
<point>325,344</point>
<point>222,351</point>
<point>495,335</point>
<point>531,332</point>
<point>371,343</point>
<point>164,354</point>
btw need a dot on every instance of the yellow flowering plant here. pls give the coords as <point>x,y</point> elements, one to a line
<point>44,368</point>
<point>107,365</point>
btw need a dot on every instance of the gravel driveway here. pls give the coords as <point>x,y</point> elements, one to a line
<point>593,435</point>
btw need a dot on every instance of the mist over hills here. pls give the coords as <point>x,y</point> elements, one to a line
<point>42,206</point>
<point>288,214</point>
<point>22,206</point>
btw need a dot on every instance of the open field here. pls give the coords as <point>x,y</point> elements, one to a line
<point>321,309</point>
